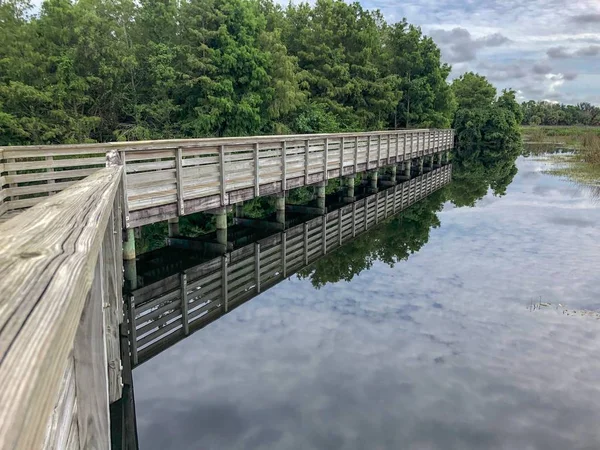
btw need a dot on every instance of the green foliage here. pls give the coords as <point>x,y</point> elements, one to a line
<point>391,242</point>
<point>427,100</point>
<point>546,113</point>
<point>473,91</point>
<point>488,140</point>
<point>99,70</point>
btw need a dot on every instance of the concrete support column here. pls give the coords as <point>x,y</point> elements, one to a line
<point>280,208</point>
<point>430,163</point>
<point>373,178</point>
<point>421,161</point>
<point>393,174</point>
<point>221,222</point>
<point>129,263</point>
<point>130,274</point>
<point>407,165</point>
<point>349,197</point>
<point>321,194</point>
<point>239,210</point>
<point>129,245</point>
<point>173,227</point>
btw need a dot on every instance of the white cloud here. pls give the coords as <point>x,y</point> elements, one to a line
<point>534,27</point>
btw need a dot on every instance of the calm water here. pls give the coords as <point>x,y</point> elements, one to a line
<point>439,351</point>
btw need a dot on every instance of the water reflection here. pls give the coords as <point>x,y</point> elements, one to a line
<point>168,308</point>
<point>440,351</point>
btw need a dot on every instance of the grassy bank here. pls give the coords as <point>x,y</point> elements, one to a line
<point>584,142</point>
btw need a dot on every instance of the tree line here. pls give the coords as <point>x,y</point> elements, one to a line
<point>547,113</point>
<point>99,70</point>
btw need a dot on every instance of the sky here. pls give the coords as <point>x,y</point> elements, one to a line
<point>544,49</point>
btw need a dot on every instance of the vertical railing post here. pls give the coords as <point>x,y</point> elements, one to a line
<point>184,304</point>
<point>386,203</point>
<point>342,156</point>
<point>179,174</point>
<point>284,253</point>
<point>12,185</point>
<point>257,266</point>
<point>378,149</point>
<point>356,154</point>
<point>224,284</point>
<point>132,329</point>
<point>256,170</point>
<point>50,169</point>
<point>340,217</point>
<point>125,209</point>
<point>306,153</point>
<point>305,243</point>
<point>283,166</point>
<point>325,158</point>
<point>389,148</point>
<point>354,219</point>
<point>397,148</point>
<point>222,170</point>
<point>324,225</point>
<point>376,208</point>
<point>368,151</point>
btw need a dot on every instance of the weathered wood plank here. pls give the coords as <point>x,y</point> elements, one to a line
<point>91,381</point>
<point>47,265</point>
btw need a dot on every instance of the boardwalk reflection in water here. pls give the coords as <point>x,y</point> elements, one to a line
<point>168,310</point>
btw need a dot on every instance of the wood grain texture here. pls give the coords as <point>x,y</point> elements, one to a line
<point>65,411</point>
<point>47,265</point>
<point>89,355</point>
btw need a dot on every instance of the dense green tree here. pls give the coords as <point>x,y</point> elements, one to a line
<point>472,90</point>
<point>548,113</point>
<point>427,100</point>
<point>99,70</point>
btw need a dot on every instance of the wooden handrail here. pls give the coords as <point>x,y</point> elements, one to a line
<point>59,271</point>
<point>194,142</point>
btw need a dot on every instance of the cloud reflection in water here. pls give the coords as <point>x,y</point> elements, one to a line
<point>439,351</point>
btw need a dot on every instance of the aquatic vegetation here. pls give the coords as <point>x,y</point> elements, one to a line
<point>581,164</point>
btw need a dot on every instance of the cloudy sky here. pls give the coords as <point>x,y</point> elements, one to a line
<point>545,49</point>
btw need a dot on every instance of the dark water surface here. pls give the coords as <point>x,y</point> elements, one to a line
<point>441,351</point>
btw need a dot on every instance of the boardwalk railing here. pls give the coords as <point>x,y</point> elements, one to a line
<point>165,312</point>
<point>169,178</point>
<point>60,309</point>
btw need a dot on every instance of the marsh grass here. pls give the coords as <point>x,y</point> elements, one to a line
<point>582,164</point>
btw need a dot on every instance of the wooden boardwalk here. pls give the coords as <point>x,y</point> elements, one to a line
<point>68,214</point>
<point>168,310</point>
<point>170,178</point>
